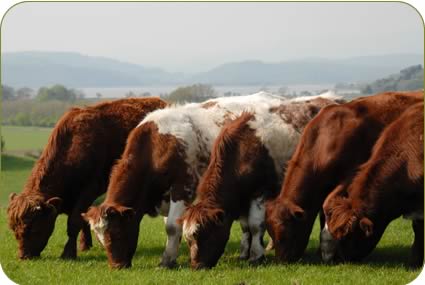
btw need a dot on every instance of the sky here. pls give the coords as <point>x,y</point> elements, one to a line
<point>195,37</point>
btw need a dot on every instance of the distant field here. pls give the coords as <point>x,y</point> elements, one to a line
<point>384,266</point>
<point>24,138</point>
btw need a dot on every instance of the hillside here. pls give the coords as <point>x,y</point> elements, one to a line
<point>35,69</point>
<point>411,78</point>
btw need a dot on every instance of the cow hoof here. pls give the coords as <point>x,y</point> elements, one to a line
<point>168,264</point>
<point>69,256</point>
<point>243,256</point>
<point>415,264</point>
<point>84,247</point>
<point>257,261</point>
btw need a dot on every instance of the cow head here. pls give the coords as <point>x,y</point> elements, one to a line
<point>32,219</point>
<point>348,233</point>
<point>287,224</point>
<point>206,231</point>
<point>117,230</point>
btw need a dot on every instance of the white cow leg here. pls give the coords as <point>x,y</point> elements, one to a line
<point>246,238</point>
<point>174,234</point>
<point>256,224</point>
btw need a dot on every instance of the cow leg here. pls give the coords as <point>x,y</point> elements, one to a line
<point>85,237</point>
<point>322,221</point>
<point>74,225</point>
<point>174,234</point>
<point>246,238</point>
<point>257,228</point>
<point>417,251</point>
<point>75,221</point>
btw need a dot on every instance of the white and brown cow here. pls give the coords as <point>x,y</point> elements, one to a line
<point>246,168</point>
<point>159,170</point>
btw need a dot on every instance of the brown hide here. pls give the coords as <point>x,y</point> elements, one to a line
<point>150,164</point>
<point>389,184</point>
<point>240,170</point>
<point>332,146</point>
<point>73,171</point>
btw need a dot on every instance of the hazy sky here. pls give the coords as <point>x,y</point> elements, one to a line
<point>193,37</point>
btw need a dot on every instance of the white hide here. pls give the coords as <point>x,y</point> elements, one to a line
<point>189,229</point>
<point>99,229</point>
<point>256,222</point>
<point>197,127</point>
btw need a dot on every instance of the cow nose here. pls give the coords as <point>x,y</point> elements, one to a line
<point>328,246</point>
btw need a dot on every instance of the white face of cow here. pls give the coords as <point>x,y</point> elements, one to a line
<point>99,227</point>
<point>328,245</point>
<point>189,230</point>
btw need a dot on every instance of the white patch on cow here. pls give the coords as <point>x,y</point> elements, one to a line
<point>328,245</point>
<point>189,229</point>
<point>174,231</point>
<point>244,250</point>
<point>197,127</point>
<point>99,229</point>
<point>415,215</point>
<point>279,137</point>
<point>330,94</point>
<point>256,220</point>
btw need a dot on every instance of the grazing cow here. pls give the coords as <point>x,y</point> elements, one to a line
<point>159,170</point>
<point>72,172</point>
<point>245,169</point>
<point>332,146</point>
<point>388,185</point>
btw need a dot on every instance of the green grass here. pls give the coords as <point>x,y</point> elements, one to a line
<point>384,266</point>
<point>24,138</point>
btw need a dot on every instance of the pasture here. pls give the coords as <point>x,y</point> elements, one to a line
<point>384,266</point>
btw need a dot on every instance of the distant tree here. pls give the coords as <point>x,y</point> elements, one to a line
<point>58,92</point>
<point>98,95</point>
<point>305,93</point>
<point>193,93</point>
<point>24,93</point>
<point>145,94</point>
<point>283,91</point>
<point>3,144</point>
<point>8,93</point>
<point>410,72</point>
<point>130,94</point>
<point>367,90</point>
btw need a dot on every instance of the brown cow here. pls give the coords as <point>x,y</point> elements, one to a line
<point>245,169</point>
<point>332,146</point>
<point>161,166</point>
<point>72,172</point>
<point>388,185</point>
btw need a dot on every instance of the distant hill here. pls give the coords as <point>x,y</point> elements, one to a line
<point>35,69</point>
<point>410,78</point>
<point>311,71</point>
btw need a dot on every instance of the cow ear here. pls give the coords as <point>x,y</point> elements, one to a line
<point>85,217</point>
<point>367,226</point>
<point>110,211</point>
<point>297,212</point>
<point>126,211</point>
<point>12,196</point>
<point>55,202</point>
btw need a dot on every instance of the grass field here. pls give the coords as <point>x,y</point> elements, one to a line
<point>384,266</point>
<point>21,139</point>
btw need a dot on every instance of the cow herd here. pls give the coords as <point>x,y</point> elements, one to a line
<point>269,162</point>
